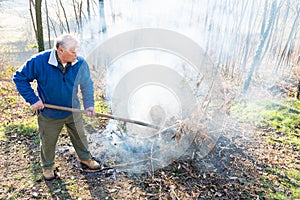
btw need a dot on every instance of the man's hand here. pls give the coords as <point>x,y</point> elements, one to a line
<point>90,112</point>
<point>38,105</point>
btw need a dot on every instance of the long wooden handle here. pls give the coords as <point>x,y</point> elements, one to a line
<point>102,115</point>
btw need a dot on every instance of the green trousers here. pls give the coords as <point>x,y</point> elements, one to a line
<point>49,130</point>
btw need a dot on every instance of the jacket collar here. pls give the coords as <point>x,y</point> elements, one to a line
<point>53,60</point>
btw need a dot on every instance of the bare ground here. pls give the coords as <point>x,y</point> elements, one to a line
<point>233,170</point>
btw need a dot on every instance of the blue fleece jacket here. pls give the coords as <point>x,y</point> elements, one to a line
<point>53,86</point>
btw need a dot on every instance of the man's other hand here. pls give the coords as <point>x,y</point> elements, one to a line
<point>90,112</point>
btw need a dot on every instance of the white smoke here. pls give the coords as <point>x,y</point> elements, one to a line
<point>157,85</point>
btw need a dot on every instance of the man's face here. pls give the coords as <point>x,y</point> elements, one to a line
<point>67,55</point>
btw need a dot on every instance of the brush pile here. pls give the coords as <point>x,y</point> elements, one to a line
<point>129,148</point>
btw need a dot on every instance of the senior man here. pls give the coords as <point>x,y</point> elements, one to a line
<point>59,73</point>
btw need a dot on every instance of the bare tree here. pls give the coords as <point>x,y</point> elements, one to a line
<point>298,91</point>
<point>285,55</point>
<point>37,22</point>
<point>78,12</point>
<point>32,4</point>
<point>257,57</point>
<point>65,15</point>
<point>48,25</point>
<point>102,16</point>
<point>112,12</point>
<point>39,25</point>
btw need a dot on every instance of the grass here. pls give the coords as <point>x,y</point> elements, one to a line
<point>27,128</point>
<point>280,119</point>
<point>2,133</point>
<point>101,106</point>
<point>283,118</point>
<point>285,185</point>
<point>94,124</point>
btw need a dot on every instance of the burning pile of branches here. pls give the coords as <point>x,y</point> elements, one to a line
<point>129,151</point>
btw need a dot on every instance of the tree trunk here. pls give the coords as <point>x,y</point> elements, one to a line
<point>32,4</point>
<point>102,17</point>
<point>65,15</point>
<point>48,25</point>
<point>258,53</point>
<point>247,41</point>
<point>287,50</point>
<point>298,92</point>
<point>112,11</point>
<point>39,25</point>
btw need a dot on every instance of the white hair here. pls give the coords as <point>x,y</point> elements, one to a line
<point>67,41</point>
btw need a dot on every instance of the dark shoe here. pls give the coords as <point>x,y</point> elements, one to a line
<point>90,163</point>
